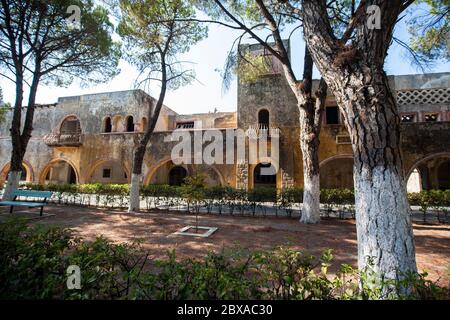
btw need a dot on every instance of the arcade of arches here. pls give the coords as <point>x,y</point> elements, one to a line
<point>432,172</point>
<point>172,174</point>
<point>337,173</point>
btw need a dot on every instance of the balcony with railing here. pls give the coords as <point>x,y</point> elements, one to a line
<point>69,134</point>
<point>63,140</point>
<point>261,131</point>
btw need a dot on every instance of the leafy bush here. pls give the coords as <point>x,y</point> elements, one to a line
<point>32,260</point>
<point>262,194</point>
<point>33,263</point>
<point>431,199</point>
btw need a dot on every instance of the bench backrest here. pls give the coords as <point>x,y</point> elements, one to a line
<point>32,193</point>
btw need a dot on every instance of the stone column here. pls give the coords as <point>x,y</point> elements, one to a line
<point>242,175</point>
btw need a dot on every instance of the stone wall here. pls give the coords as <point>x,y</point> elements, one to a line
<point>97,150</point>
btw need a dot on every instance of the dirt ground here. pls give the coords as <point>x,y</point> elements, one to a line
<point>157,228</point>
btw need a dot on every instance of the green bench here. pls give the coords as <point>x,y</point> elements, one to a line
<point>29,194</point>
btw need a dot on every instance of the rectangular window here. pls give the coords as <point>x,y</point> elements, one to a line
<point>431,117</point>
<point>106,173</point>
<point>343,139</point>
<point>332,115</point>
<point>185,125</point>
<point>408,117</point>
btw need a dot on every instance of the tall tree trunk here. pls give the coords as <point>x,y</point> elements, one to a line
<point>310,119</point>
<point>382,210</point>
<point>310,110</point>
<point>356,78</point>
<point>16,155</point>
<point>309,145</point>
<point>136,178</point>
<point>139,152</point>
<point>310,126</point>
<point>20,139</point>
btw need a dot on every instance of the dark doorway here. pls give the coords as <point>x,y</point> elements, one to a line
<point>177,175</point>
<point>265,175</point>
<point>444,175</point>
<point>72,176</point>
<point>263,118</point>
<point>130,124</point>
<point>108,125</point>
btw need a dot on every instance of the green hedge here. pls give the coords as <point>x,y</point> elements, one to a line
<point>34,261</point>
<point>431,198</point>
<point>424,199</point>
<point>95,188</point>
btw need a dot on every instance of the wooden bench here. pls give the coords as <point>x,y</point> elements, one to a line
<point>31,204</point>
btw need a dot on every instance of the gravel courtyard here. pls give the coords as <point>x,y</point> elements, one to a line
<point>157,228</point>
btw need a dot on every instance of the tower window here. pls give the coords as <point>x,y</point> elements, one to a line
<point>332,115</point>
<point>263,118</point>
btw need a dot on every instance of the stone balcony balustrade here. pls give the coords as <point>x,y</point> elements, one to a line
<point>63,140</point>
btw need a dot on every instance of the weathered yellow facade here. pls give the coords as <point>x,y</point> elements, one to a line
<point>90,138</point>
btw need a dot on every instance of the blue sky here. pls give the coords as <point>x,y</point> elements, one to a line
<point>205,94</point>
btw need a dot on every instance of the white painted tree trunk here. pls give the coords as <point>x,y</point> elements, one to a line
<point>12,184</point>
<point>309,144</point>
<point>134,193</point>
<point>311,199</point>
<point>383,223</point>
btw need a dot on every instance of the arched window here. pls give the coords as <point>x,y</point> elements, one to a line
<point>70,126</point>
<point>130,124</point>
<point>107,125</point>
<point>264,174</point>
<point>177,175</point>
<point>263,118</point>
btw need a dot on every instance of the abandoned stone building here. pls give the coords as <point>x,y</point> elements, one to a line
<point>90,138</point>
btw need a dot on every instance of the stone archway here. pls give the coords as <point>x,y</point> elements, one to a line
<point>28,175</point>
<point>108,171</point>
<point>337,172</point>
<point>264,175</point>
<point>59,171</point>
<point>430,172</point>
<point>158,173</point>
